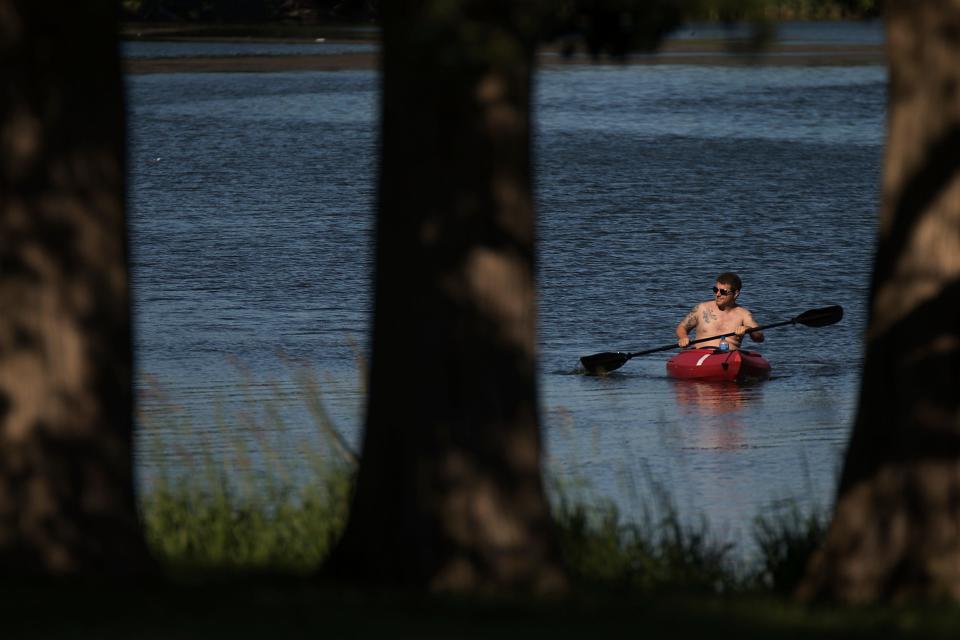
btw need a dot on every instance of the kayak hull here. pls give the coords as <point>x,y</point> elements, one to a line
<point>710,364</point>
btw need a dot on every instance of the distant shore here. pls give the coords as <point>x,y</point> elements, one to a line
<point>247,33</point>
<point>707,51</point>
<point>677,53</point>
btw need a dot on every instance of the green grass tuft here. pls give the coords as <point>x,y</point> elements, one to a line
<point>787,538</point>
<point>197,529</point>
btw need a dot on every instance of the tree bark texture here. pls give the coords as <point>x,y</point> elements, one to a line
<point>895,533</point>
<point>66,484</point>
<point>449,494</point>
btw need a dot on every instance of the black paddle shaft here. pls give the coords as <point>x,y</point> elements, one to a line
<point>610,360</point>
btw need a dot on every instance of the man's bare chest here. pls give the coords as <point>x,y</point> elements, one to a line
<point>713,321</point>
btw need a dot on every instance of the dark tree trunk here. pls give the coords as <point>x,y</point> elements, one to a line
<point>896,529</point>
<point>66,483</point>
<point>449,494</point>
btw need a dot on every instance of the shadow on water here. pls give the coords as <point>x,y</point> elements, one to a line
<point>611,376</point>
<point>578,370</point>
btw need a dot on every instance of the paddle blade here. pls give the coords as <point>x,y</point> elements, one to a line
<point>601,363</point>
<point>820,317</point>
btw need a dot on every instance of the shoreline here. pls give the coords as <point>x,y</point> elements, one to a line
<point>707,51</point>
<point>699,52</point>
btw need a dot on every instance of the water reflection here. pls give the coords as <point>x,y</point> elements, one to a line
<point>714,398</point>
<point>716,410</point>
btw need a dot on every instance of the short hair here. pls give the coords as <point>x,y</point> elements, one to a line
<point>730,278</point>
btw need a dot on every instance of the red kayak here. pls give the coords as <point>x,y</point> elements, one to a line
<point>711,364</point>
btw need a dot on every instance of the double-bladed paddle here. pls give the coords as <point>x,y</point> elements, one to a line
<point>600,363</point>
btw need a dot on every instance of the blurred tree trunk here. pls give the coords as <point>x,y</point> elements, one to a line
<point>449,494</point>
<point>896,528</point>
<point>66,483</point>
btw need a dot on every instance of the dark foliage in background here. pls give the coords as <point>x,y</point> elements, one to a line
<point>606,26</point>
<point>251,11</point>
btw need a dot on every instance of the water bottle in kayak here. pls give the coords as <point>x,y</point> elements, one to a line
<point>723,346</point>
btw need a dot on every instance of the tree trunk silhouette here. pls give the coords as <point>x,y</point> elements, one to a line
<point>66,483</point>
<point>449,495</point>
<point>895,533</point>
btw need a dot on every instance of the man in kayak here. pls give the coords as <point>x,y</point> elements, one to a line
<point>718,316</point>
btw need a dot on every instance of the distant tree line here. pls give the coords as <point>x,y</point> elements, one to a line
<point>250,11</point>
<point>820,9</point>
<point>310,11</point>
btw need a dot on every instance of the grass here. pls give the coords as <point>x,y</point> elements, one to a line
<point>231,500</point>
<point>193,529</point>
<point>245,608</point>
<point>606,554</point>
<point>786,539</point>
<point>241,533</point>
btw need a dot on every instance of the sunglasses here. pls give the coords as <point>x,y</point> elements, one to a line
<point>722,292</point>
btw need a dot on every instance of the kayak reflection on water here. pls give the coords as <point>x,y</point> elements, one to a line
<point>714,398</point>
<point>716,409</point>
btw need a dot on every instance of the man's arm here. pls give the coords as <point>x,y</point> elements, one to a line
<point>746,323</point>
<point>687,325</point>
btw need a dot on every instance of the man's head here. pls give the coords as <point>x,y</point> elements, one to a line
<point>727,288</point>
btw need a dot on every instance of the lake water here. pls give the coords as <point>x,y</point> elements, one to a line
<point>251,212</point>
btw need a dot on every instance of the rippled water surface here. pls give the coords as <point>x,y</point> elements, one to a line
<point>251,214</point>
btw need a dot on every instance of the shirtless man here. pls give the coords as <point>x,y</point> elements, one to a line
<point>720,315</point>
